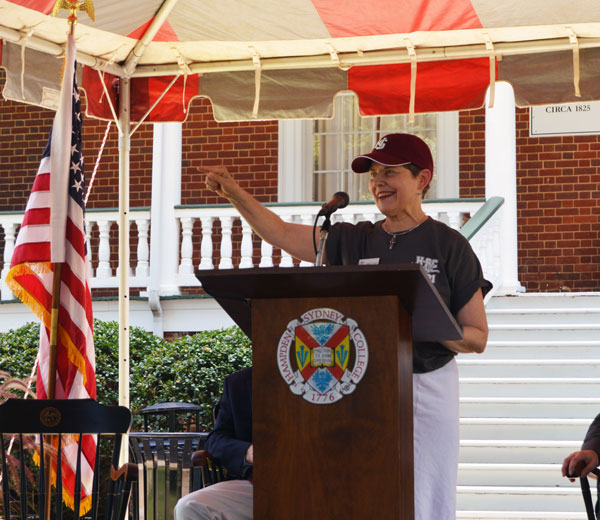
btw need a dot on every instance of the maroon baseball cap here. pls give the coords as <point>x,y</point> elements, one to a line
<point>396,150</point>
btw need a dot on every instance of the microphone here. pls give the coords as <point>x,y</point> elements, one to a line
<point>338,201</point>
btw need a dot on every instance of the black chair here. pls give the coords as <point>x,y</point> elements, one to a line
<point>26,489</point>
<point>165,472</point>
<point>593,513</point>
<point>177,416</point>
<point>211,471</point>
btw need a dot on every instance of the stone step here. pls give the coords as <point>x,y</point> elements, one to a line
<point>559,429</point>
<point>531,317</point>
<point>511,498</point>
<point>575,408</point>
<point>542,349</point>
<point>516,451</point>
<point>545,475</point>
<point>532,387</point>
<point>553,333</point>
<point>520,515</point>
<point>481,366</point>
<point>542,301</point>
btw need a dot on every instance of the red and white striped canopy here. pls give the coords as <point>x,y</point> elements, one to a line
<point>273,59</point>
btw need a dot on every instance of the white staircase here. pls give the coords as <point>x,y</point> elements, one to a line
<point>526,403</point>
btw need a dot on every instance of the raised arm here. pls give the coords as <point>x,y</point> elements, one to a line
<point>296,239</point>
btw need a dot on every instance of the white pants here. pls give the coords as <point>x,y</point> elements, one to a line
<point>228,500</point>
<point>436,442</point>
<point>435,419</point>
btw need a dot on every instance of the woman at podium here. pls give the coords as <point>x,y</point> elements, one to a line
<point>400,169</point>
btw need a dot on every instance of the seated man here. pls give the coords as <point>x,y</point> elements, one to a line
<point>580,463</point>
<point>230,442</point>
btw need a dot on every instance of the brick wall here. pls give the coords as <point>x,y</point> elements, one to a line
<point>558,203</point>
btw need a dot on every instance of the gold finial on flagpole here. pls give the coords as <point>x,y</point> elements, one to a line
<point>73,6</point>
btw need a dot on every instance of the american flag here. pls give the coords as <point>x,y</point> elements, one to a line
<point>53,230</point>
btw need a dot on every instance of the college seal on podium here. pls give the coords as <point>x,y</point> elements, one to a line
<point>322,356</point>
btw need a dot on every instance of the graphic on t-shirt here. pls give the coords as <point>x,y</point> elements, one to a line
<point>430,265</point>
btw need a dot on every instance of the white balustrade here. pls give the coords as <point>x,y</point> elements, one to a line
<point>196,249</point>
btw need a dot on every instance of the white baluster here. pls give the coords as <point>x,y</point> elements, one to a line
<point>454,219</point>
<point>88,246</point>
<point>286,258</point>
<point>307,220</point>
<point>349,217</point>
<point>206,245</point>
<point>266,254</point>
<point>246,247</point>
<point>143,250</point>
<point>226,246</point>
<point>9,248</point>
<point>104,270</point>
<point>187,248</point>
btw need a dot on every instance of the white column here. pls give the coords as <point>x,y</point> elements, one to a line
<point>501,179</point>
<point>294,183</point>
<point>166,194</point>
<point>446,162</point>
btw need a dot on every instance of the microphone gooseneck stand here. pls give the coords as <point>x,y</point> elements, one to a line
<point>323,237</point>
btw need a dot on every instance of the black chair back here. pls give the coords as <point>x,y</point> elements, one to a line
<point>63,425</point>
<point>593,513</point>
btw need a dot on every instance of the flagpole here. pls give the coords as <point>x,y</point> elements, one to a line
<point>51,393</point>
<point>56,285</point>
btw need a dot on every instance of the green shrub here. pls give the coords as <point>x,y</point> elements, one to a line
<point>190,369</point>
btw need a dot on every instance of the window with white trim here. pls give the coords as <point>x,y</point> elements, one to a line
<point>315,156</point>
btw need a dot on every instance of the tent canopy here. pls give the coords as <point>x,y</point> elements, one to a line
<point>274,59</point>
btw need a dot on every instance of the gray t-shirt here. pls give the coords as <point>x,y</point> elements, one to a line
<point>445,255</point>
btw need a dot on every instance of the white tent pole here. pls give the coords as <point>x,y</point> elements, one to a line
<point>123,270</point>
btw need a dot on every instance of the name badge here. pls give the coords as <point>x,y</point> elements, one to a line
<point>368,261</point>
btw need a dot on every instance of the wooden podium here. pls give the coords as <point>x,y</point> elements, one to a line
<point>350,459</point>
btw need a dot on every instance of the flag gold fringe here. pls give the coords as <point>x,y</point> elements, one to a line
<point>40,311</point>
<point>86,503</point>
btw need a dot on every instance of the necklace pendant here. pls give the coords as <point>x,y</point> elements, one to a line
<point>392,241</point>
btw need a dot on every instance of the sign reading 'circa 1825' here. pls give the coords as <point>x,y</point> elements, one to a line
<point>322,356</point>
<point>565,119</point>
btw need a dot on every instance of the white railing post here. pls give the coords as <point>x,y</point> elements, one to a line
<point>143,250</point>
<point>266,254</point>
<point>9,247</point>
<point>88,244</point>
<point>286,258</point>
<point>246,247</point>
<point>186,265</point>
<point>104,270</point>
<point>206,245</point>
<point>226,245</point>
<point>306,219</point>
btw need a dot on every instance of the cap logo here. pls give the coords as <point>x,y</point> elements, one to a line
<point>381,143</point>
